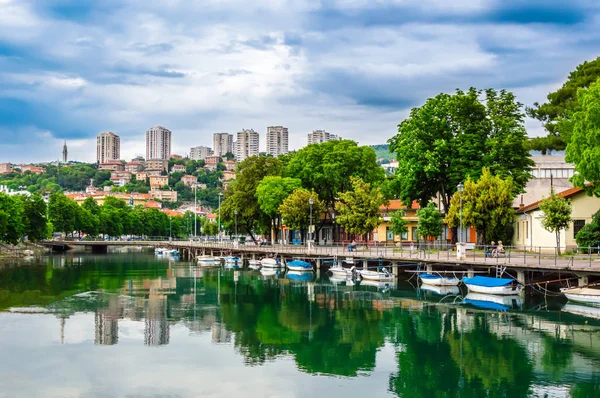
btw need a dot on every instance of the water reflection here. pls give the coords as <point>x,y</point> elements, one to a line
<point>441,346</point>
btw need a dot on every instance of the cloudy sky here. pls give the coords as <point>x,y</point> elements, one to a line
<point>70,69</point>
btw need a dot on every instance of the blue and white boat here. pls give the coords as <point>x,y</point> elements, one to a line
<point>488,285</point>
<point>438,280</point>
<point>299,265</point>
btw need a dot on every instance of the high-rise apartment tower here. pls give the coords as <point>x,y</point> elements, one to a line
<point>318,136</point>
<point>158,143</point>
<point>108,147</point>
<point>277,140</point>
<point>247,144</point>
<point>222,143</point>
<point>200,152</point>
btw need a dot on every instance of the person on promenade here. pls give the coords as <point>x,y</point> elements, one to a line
<point>490,250</point>
<point>499,249</point>
<point>352,246</point>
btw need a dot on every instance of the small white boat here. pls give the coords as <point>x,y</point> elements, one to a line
<point>299,265</point>
<point>488,285</point>
<point>582,295</point>
<point>268,262</point>
<point>438,280</point>
<point>339,271</point>
<point>381,275</point>
<point>493,301</point>
<point>441,290</point>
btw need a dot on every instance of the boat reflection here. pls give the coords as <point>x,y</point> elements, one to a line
<point>441,290</point>
<point>493,302</point>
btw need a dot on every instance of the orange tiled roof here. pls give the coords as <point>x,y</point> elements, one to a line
<point>396,204</point>
<point>563,194</point>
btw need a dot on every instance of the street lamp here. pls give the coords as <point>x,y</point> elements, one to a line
<point>170,227</point>
<point>219,225</point>
<point>310,203</point>
<point>195,209</point>
<point>460,188</point>
<point>236,234</point>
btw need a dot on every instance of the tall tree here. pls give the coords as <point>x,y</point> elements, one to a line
<point>271,192</point>
<point>63,213</point>
<point>452,137</point>
<point>399,224</point>
<point>555,114</point>
<point>326,168</point>
<point>11,219</point>
<point>557,215</point>
<point>34,217</point>
<point>295,209</point>
<point>241,194</point>
<point>358,209</point>
<point>584,148</point>
<point>486,205</point>
<point>430,221</point>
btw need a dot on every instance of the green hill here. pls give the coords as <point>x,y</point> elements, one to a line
<point>383,152</point>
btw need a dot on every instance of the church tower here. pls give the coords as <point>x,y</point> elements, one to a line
<point>65,153</point>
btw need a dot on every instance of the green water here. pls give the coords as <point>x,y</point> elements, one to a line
<point>150,327</point>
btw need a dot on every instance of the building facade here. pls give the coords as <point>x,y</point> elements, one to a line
<point>112,166</point>
<point>108,147</point>
<point>157,164</point>
<point>247,144</point>
<point>319,136</point>
<point>158,143</point>
<point>6,168</point>
<point>222,144</point>
<point>277,140</point>
<point>200,152</point>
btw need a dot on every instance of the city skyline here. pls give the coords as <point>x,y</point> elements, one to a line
<point>352,68</point>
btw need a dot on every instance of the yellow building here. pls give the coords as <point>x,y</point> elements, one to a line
<point>530,233</point>
<point>383,233</point>
<point>159,181</point>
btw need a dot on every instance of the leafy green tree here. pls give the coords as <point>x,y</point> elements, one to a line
<point>430,221</point>
<point>589,235</point>
<point>452,137</point>
<point>555,114</point>
<point>11,219</point>
<point>271,192</point>
<point>358,209</point>
<point>557,215</point>
<point>326,168</point>
<point>229,156</point>
<point>34,217</point>
<point>487,205</point>
<point>584,146</point>
<point>399,224</point>
<point>63,213</point>
<point>241,195</point>
<point>295,209</point>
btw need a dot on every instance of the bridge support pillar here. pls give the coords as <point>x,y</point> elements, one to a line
<point>521,277</point>
<point>583,280</point>
<point>470,272</point>
<point>365,264</point>
<point>429,268</point>
<point>395,269</point>
<point>318,263</point>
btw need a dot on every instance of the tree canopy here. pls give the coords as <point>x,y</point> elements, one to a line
<point>430,221</point>
<point>555,113</point>
<point>557,215</point>
<point>452,137</point>
<point>584,148</point>
<point>295,209</point>
<point>486,205</point>
<point>358,209</point>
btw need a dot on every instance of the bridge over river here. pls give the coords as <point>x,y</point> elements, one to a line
<point>525,265</point>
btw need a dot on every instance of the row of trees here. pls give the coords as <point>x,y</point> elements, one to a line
<point>23,216</point>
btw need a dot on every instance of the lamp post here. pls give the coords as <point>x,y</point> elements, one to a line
<point>236,234</point>
<point>195,209</point>
<point>170,227</point>
<point>460,188</point>
<point>310,203</point>
<point>219,224</point>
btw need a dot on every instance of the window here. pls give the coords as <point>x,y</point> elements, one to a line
<point>519,229</point>
<point>414,233</point>
<point>526,229</point>
<point>577,225</point>
<point>404,235</point>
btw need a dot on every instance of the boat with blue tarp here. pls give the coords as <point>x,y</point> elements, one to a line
<point>299,265</point>
<point>489,285</point>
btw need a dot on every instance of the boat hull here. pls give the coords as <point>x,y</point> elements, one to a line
<point>299,268</point>
<point>583,298</point>
<point>340,272</point>
<point>376,276</point>
<point>269,263</point>
<point>498,290</point>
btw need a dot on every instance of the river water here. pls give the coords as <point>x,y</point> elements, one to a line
<point>129,324</point>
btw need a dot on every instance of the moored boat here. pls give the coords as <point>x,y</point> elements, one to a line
<point>488,285</point>
<point>584,295</point>
<point>339,271</point>
<point>299,265</point>
<point>438,280</point>
<point>269,262</point>
<point>381,275</point>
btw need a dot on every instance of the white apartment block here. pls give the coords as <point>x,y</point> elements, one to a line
<point>247,144</point>
<point>200,152</point>
<point>158,143</point>
<point>318,136</point>
<point>277,140</point>
<point>222,143</point>
<point>108,147</point>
